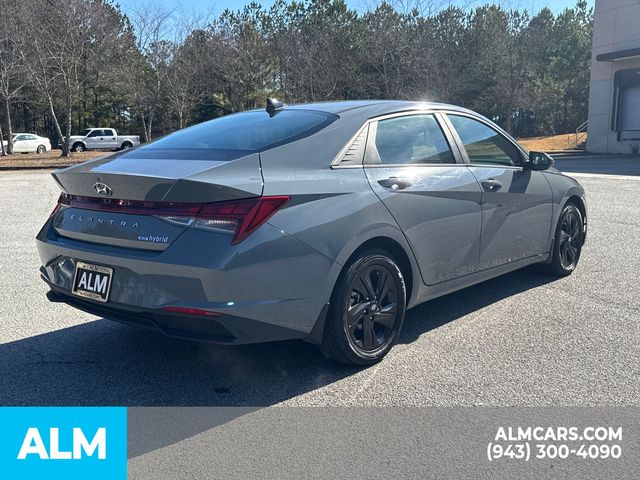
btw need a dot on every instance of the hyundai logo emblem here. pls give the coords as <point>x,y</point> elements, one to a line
<point>102,189</point>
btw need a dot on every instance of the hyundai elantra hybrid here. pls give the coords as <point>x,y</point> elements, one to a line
<point>322,222</point>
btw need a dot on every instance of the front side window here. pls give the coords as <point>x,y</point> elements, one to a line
<point>414,139</point>
<point>96,133</point>
<point>483,144</point>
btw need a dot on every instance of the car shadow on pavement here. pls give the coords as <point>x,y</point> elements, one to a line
<point>435,313</point>
<point>104,363</point>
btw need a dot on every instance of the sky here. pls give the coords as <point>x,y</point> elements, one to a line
<point>212,8</point>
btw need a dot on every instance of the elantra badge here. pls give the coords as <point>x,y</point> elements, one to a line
<point>102,189</point>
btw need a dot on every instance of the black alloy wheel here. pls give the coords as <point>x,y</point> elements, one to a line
<point>569,238</point>
<point>366,310</point>
<point>372,308</point>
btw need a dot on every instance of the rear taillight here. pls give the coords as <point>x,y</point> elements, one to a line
<point>242,217</point>
<point>239,217</point>
<point>63,201</point>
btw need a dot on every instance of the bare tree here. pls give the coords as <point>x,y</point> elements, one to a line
<point>12,72</point>
<point>185,78</point>
<point>61,35</point>
<point>151,24</point>
<point>3,152</point>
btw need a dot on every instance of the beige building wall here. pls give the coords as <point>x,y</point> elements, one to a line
<point>616,30</point>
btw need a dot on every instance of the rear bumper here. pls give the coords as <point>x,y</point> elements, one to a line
<point>225,329</point>
<point>269,287</point>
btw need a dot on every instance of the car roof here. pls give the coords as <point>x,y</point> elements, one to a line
<point>373,108</point>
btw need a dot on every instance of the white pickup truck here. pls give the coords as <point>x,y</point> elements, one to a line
<point>102,139</point>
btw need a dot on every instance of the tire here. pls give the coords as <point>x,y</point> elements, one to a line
<point>41,149</point>
<point>568,241</point>
<point>78,147</point>
<point>359,331</point>
<point>126,146</point>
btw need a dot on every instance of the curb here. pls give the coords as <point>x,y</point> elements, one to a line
<point>35,167</point>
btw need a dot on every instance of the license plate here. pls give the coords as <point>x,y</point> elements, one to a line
<point>92,281</point>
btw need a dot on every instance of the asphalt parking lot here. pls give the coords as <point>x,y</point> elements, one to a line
<point>525,339</point>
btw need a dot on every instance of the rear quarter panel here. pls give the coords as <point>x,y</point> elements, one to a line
<point>333,210</point>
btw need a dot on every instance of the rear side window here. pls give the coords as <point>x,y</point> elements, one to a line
<point>414,139</point>
<point>242,133</point>
<point>483,144</point>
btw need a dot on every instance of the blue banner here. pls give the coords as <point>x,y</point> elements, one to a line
<point>63,442</point>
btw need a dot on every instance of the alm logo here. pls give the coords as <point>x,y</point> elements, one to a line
<point>33,444</point>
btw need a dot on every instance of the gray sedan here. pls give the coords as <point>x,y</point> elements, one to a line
<point>323,222</point>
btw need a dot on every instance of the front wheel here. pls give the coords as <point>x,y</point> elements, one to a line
<point>366,311</point>
<point>567,246</point>
<point>78,147</point>
<point>41,149</point>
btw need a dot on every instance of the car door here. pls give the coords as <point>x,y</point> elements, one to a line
<point>20,144</point>
<point>429,191</point>
<point>32,143</point>
<point>516,201</point>
<point>93,140</point>
<point>110,140</point>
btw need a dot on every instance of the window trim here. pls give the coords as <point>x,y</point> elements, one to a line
<point>337,161</point>
<point>492,126</point>
<point>372,125</point>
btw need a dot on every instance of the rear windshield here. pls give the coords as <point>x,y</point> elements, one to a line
<point>235,135</point>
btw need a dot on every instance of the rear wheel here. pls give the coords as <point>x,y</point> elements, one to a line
<point>41,149</point>
<point>126,146</point>
<point>569,238</point>
<point>367,310</point>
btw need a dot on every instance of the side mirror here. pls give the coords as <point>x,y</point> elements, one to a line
<point>540,161</point>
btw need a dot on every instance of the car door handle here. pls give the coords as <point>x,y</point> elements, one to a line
<point>395,183</point>
<point>491,184</point>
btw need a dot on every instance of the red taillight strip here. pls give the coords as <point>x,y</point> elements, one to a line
<point>248,213</point>
<point>191,311</point>
<point>134,207</point>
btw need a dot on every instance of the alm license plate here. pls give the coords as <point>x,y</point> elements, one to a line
<point>92,281</point>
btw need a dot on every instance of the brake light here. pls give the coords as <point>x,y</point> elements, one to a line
<point>243,217</point>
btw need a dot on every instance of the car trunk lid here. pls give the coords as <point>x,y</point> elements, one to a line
<point>136,202</point>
